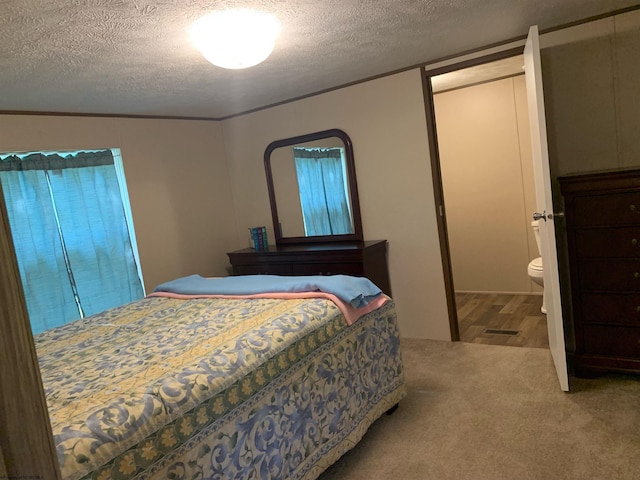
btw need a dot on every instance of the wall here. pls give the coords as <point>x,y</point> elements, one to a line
<point>600,62</point>
<point>591,76</point>
<point>487,173</point>
<point>385,120</point>
<point>176,176</point>
<point>186,220</point>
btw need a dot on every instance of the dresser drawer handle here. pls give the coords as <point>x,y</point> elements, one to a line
<point>633,208</point>
<point>634,241</point>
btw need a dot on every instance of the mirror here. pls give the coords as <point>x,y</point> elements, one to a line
<point>312,188</point>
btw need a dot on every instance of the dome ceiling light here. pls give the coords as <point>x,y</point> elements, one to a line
<point>235,39</point>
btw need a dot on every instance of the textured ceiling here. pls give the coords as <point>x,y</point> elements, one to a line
<point>133,57</point>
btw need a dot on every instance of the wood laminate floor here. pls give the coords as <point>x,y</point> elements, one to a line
<point>498,319</point>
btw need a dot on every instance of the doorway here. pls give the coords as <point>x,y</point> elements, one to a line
<point>483,155</point>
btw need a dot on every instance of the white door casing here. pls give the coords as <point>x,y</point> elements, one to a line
<point>544,202</point>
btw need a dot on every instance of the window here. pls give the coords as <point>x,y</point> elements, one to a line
<point>73,234</point>
<point>323,190</point>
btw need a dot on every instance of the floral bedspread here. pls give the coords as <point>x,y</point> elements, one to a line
<point>216,388</point>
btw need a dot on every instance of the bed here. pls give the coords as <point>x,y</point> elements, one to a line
<point>208,385</point>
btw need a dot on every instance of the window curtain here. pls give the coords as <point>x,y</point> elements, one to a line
<point>323,197</point>
<point>70,234</point>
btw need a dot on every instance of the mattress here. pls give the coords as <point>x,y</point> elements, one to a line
<point>217,388</point>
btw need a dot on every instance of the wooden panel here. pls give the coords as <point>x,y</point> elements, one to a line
<point>3,469</point>
<point>611,308</point>
<point>328,269</point>
<point>608,242</point>
<point>603,233</point>
<point>26,441</point>
<point>613,341</point>
<point>262,269</point>
<point>615,209</point>
<point>368,259</point>
<point>610,274</point>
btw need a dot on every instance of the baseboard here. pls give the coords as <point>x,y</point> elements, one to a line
<point>473,292</point>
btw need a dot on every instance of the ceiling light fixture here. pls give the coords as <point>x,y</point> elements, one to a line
<point>235,38</point>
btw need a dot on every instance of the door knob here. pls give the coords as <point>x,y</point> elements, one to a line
<point>545,215</point>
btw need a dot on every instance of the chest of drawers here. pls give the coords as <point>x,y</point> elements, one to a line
<point>360,259</point>
<point>603,236</point>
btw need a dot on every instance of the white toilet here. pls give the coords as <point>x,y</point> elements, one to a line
<point>535,266</point>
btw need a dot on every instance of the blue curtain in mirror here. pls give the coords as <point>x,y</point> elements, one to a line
<point>323,191</point>
<point>71,238</point>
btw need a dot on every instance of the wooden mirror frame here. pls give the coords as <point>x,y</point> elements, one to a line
<point>351,182</point>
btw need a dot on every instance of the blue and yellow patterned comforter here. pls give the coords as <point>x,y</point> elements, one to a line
<point>216,388</point>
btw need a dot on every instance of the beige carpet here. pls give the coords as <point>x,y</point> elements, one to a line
<point>489,412</point>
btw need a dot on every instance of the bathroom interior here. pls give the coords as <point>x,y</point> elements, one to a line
<point>482,128</point>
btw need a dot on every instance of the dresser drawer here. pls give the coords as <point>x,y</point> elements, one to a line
<point>610,308</point>
<point>263,269</point>
<point>360,259</point>
<point>609,274</point>
<point>614,341</point>
<point>608,242</point>
<point>607,209</point>
<point>328,269</point>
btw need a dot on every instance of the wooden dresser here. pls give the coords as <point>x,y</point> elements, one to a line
<point>364,259</point>
<point>603,233</point>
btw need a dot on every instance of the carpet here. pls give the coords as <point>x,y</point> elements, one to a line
<point>497,413</point>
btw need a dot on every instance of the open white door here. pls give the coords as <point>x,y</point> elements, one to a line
<point>542,177</point>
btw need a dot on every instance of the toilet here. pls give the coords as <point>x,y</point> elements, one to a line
<point>535,266</point>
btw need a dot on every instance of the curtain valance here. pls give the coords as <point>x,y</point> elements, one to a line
<point>54,161</point>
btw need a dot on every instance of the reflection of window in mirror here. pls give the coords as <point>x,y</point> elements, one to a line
<point>314,172</point>
<point>323,190</point>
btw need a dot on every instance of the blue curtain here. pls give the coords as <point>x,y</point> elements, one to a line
<point>323,194</point>
<point>70,234</point>
<point>47,286</point>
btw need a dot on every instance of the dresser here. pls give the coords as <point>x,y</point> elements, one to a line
<point>361,259</point>
<point>603,235</point>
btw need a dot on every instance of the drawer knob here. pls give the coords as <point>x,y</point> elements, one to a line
<point>636,275</point>
<point>633,208</point>
<point>634,241</point>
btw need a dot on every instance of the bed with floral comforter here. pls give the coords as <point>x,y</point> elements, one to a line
<point>217,388</point>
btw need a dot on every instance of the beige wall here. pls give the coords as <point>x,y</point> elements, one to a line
<point>487,173</point>
<point>176,176</point>
<point>591,77</point>
<point>592,93</point>
<point>385,120</point>
<point>196,187</point>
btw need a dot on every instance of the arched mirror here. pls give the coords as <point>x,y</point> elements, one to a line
<point>312,188</point>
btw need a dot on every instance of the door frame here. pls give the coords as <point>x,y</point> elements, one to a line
<point>436,171</point>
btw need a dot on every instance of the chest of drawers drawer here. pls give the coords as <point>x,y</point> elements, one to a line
<point>607,209</point>
<point>328,269</point>
<point>603,238</point>
<point>614,341</point>
<point>264,269</point>
<point>608,242</point>
<point>360,259</point>
<point>610,274</point>
<point>610,308</point>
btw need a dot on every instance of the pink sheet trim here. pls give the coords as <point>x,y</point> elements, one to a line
<point>350,313</point>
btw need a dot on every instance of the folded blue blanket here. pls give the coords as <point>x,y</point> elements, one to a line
<point>357,291</point>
